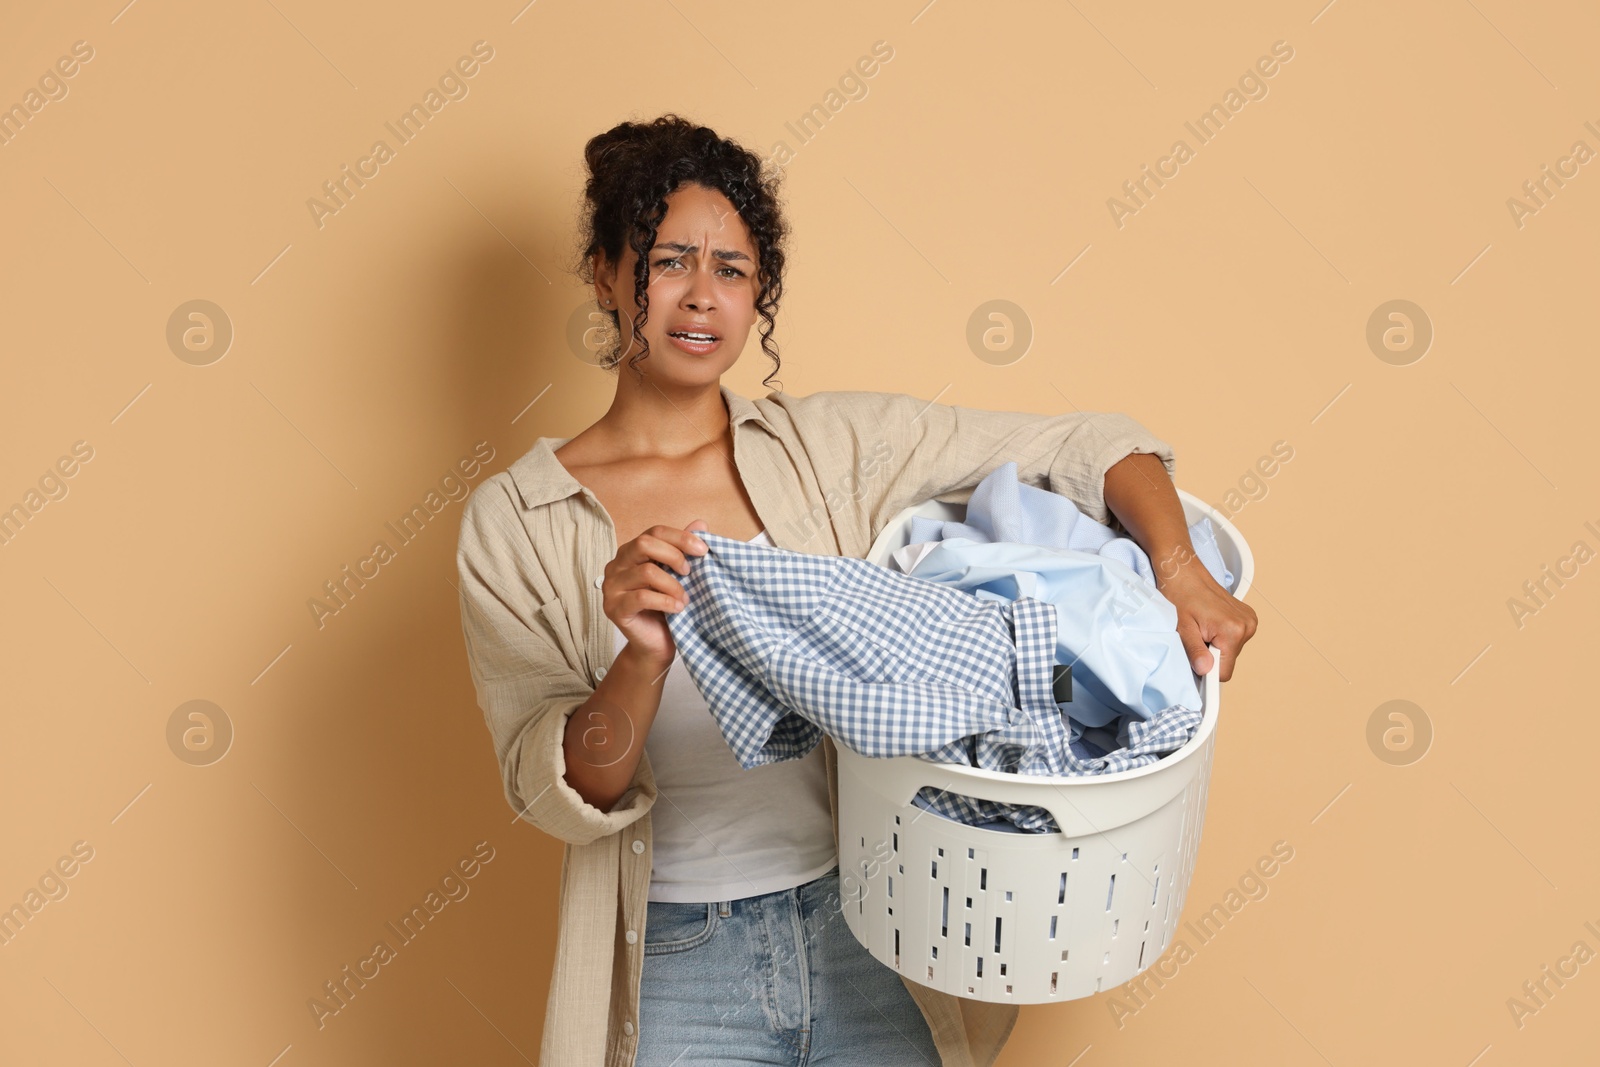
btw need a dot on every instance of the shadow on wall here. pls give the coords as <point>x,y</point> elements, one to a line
<point>393,764</point>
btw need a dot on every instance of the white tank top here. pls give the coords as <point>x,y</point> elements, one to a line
<point>720,832</point>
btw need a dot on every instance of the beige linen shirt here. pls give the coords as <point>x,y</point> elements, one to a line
<point>826,473</point>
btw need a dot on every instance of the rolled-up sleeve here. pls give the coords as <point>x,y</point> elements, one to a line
<point>925,450</point>
<point>526,685</point>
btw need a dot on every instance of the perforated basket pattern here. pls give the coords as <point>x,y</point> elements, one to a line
<point>1026,918</point>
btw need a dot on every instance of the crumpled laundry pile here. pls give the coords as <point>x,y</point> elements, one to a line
<point>954,657</point>
<point>1134,696</point>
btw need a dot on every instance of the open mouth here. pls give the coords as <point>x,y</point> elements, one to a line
<point>697,342</point>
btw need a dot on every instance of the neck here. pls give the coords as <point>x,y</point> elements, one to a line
<point>647,418</point>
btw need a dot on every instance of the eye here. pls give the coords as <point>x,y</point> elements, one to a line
<point>677,260</point>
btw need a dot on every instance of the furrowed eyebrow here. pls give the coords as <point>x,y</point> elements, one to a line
<point>724,254</point>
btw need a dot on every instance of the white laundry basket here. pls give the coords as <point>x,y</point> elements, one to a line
<point>1026,918</point>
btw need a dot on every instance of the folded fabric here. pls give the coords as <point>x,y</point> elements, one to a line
<point>1003,509</point>
<point>785,646</point>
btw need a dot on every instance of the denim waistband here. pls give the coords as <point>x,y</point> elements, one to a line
<point>812,893</point>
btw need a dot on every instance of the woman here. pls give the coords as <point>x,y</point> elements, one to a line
<point>700,913</point>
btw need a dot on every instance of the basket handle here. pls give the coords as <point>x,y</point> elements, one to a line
<point>1115,802</point>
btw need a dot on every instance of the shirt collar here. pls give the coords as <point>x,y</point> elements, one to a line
<point>540,477</point>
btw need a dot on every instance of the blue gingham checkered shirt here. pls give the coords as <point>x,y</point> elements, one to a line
<point>785,646</point>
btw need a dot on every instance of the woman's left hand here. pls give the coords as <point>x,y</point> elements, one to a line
<point>1207,614</point>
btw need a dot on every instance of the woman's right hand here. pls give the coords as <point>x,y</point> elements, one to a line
<point>635,593</point>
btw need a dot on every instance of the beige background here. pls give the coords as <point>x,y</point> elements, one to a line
<point>372,353</point>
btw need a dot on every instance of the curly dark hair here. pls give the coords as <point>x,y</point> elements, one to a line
<point>634,166</point>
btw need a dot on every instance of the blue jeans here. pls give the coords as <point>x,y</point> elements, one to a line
<point>773,979</point>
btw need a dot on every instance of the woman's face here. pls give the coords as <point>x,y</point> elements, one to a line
<point>702,281</point>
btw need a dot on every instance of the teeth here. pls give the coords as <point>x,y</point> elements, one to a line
<point>696,336</point>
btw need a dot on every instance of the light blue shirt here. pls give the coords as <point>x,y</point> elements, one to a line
<point>1004,509</point>
<point>1116,629</point>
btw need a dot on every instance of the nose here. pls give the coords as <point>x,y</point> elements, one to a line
<point>698,296</point>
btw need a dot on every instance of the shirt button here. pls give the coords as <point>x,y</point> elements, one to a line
<point>599,672</point>
<point>638,848</point>
<point>599,580</point>
<point>630,937</point>
<point>627,1028</point>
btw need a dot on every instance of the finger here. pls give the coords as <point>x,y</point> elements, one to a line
<point>649,577</point>
<point>664,544</point>
<point>637,600</point>
<point>1227,645</point>
<point>685,538</point>
<point>1194,645</point>
<point>695,545</point>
